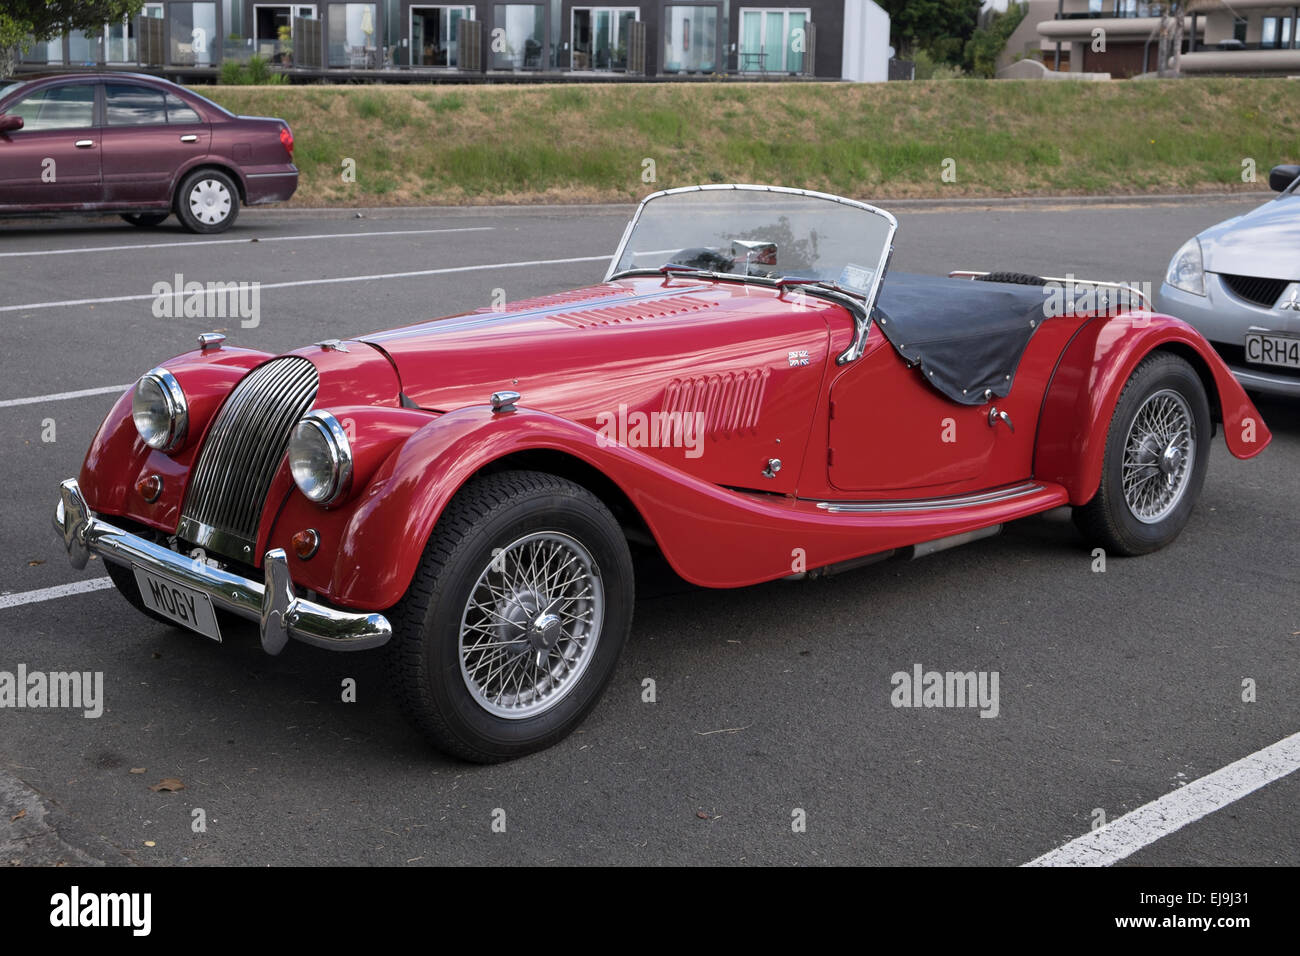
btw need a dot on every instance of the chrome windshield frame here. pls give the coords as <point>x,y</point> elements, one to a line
<point>861,322</point>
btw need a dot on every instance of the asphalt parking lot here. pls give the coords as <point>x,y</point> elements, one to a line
<point>1116,688</point>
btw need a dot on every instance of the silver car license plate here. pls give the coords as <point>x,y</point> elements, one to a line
<point>176,602</point>
<point>1264,349</point>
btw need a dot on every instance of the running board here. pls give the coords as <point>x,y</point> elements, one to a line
<point>931,504</point>
<point>910,553</point>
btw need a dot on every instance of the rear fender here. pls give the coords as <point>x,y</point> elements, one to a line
<point>1084,390</point>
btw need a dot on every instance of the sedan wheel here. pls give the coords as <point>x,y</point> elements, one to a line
<point>1155,459</point>
<point>208,201</point>
<point>515,618</point>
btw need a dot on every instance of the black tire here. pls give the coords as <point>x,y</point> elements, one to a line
<point>429,673</point>
<point>193,209</point>
<point>1108,519</point>
<point>145,220</point>
<point>1013,278</point>
<point>124,581</point>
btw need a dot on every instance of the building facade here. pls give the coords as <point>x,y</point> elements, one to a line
<point>1121,37</point>
<point>410,40</point>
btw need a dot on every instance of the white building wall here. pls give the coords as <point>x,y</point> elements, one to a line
<point>866,42</point>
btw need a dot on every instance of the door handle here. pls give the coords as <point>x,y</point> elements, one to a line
<point>996,416</point>
<point>85,143</point>
<point>189,138</point>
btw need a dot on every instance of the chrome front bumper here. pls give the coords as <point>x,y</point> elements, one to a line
<point>272,603</point>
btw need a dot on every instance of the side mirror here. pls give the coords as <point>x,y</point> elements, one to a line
<point>1279,177</point>
<point>8,122</point>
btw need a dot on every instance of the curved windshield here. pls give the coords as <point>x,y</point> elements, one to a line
<point>759,231</point>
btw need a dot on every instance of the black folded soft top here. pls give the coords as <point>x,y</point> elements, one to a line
<point>966,337</point>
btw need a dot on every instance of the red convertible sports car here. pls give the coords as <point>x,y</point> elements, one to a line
<point>745,392</point>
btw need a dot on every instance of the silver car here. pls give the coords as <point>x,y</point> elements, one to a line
<point>1238,283</point>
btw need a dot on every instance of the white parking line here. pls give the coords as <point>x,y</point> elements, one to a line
<point>62,396</point>
<point>1126,835</point>
<point>332,281</point>
<point>49,594</point>
<point>231,242</point>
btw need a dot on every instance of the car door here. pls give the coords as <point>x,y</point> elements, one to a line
<point>54,160</point>
<point>891,432</point>
<point>149,134</point>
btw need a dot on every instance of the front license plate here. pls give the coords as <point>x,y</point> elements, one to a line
<point>176,602</point>
<point>1273,350</point>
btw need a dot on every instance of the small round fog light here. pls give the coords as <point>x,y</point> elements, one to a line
<point>306,543</point>
<point>150,487</point>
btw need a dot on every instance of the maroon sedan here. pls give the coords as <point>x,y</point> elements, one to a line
<point>139,146</point>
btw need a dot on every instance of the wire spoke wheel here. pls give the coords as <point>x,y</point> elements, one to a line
<point>1159,455</point>
<point>531,625</point>
<point>209,201</point>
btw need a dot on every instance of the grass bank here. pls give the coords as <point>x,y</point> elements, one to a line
<point>591,143</point>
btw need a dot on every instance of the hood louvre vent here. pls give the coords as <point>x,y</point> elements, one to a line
<point>730,403</point>
<point>633,311</point>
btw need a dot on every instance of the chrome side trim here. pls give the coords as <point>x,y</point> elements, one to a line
<point>279,612</point>
<point>931,504</point>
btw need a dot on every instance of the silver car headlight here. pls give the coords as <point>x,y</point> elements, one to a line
<point>1186,269</point>
<point>320,457</point>
<point>159,410</point>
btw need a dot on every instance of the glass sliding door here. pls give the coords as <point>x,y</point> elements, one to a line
<point>435,34</point>
<point>691,38</point>
<point>193,36</point>
<point>352,30</point>
<point>772,41</point>
<point>600,37</point>
<point>517,40</point>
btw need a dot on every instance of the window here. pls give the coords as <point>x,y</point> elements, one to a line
<point>352,35</point>
<point>1268,32</point>
<point>600,37</point>
<point>193,35</point>
<point>772,41</point>
<point>521,41</point>
<point>690,39</point>
<point>129,105</point>
<point>435,34</point>
<point>178,111</point>
<point>61,107</point>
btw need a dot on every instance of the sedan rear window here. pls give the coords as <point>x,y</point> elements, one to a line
<point>129,105</point>
<point>57,107</point>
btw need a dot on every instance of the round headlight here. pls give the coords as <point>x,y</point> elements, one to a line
<point>320,457</point>
<point>159,410</point>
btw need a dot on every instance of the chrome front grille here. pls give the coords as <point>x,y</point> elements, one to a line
<point>241,454</point>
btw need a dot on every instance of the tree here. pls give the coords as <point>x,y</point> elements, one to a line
<point>940,27</point>
<point>1171,40</point>
<point>987,43</point>
<point>23,22</point>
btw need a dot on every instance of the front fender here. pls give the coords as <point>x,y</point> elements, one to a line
<point>1084,390</point>
<point>117,458</point>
